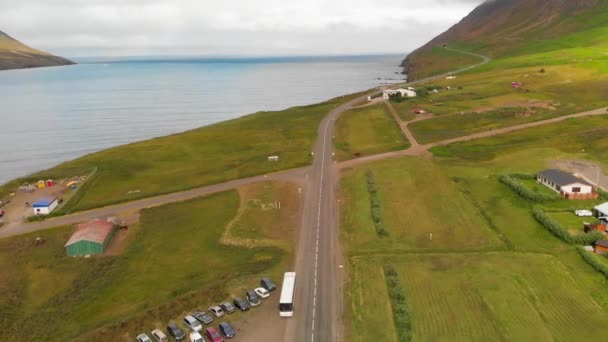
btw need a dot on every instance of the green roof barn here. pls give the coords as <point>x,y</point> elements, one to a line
<point>90,238</point>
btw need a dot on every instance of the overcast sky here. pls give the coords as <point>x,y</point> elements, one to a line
<point>228,27</point>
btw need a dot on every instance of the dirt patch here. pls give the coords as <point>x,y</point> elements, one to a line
<point>588,170</point>
<point>16,210</point>
<point>529,107</point>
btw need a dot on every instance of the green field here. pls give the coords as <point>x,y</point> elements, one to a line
<point>173,263</point>
<point>418,199</point>
<point>213,154</point>
<point>482,297</point>
<point>366,131</point>
<point>503,289</point>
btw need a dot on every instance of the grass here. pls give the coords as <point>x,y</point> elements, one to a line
<point>499,297</point>
<point>574,224</point>
<point>174,263</point>
<point>535,186</point>
<point>229,150</point>
<point>438,61</point>
<point>417,199</point>
<point>366,131</point>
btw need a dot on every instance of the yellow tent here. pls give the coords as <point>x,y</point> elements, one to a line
<point>41,184</point>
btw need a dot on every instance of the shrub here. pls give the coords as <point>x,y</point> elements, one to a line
<point>562,233</point>
<point>523,191</point>
<point>375,206</point>
<point>594,260</point>
<point>399,305</point>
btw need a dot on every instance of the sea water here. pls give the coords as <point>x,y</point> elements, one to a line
<point>51,115</point>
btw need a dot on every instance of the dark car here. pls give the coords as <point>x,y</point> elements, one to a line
<point>227,330</point>
<point>268,284</point>
<point>175,331</point>
<point>253,298</point>
<point>242,304</point>
<point>213,335</point>
<point>228,307</point>
<point>203,317</point>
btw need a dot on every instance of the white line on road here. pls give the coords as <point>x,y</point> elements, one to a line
<point>314,297</point>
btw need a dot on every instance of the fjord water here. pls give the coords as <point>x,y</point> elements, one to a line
<point>50,115</point>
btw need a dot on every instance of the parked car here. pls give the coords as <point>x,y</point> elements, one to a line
<point>143,338</point>
<point>203,317</point>
<point>227,330</point>
<point>216,310</point>
<point>228,307</point>
<point>583,213</point>
<point>175,331</point>
<point>159,336</point>
<point>262,292</point>
<point>213,335</point>
<point>268,284</point>
<point>193,323</point>
<point>195,336</point>
<point>253,298</point>
<point>242,304</point>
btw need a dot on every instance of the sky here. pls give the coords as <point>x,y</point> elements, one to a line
<point>79,28</point>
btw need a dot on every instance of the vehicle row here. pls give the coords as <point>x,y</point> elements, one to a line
<point>197,320</point>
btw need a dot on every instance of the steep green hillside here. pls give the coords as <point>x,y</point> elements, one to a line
<point>509,28</point>
<point>15,55</point>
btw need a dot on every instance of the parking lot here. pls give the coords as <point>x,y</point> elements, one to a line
<point>259,323</point>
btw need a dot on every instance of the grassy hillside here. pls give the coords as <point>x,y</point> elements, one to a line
<point>507,28</point>
<point>16,55</point>
<point>213,154</point>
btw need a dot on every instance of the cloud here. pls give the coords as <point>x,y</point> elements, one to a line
<point>120,27</point>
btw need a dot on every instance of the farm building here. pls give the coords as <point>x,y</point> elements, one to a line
<point>90,238</point>
<point>409,92</point>
<point>566,184</point>
<point>45,206</point>
<point>601,247</point>
<point>601,211</point>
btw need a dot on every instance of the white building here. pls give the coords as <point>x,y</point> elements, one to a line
<point>564,183</point>
<point>45,206</point>
<point>408,92</point>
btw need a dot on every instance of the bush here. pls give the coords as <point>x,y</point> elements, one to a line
<point>562,233</point>
<point>594,260</point>
<point>375,206</point>
<point>523,191</point>
<point>401,312</point>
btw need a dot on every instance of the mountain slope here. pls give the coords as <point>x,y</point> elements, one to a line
<point>15,55</point>
<point>499,28</point>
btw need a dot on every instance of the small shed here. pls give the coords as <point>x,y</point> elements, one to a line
<point>45,206</point>
<point>90,238</point>
<point>601,246</point>
<point>601,211</point>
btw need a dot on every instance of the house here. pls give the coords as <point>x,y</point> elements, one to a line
<point>566,184</point>
<point>45,206</point>
<point>601,212</point>
<point>408,92</point>
<point>90,238</point>
<point>601,247</point>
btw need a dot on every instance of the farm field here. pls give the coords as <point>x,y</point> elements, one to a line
<point>417,199</point>
<point>442,282</point>
<point>213,154</point>
<point>177,259</point>
<point>366,131</point>
<point>486,296</point>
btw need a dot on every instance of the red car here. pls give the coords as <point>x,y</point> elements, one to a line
<point>213,335</point>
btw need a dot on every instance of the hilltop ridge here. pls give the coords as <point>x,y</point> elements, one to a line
<point>16,55</point>
<point>499,28</point>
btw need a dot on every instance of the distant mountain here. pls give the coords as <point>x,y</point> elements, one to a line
<point>15,55</point>
<point>510,27</point>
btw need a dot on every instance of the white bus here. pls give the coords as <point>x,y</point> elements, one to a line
<point>288,292</point>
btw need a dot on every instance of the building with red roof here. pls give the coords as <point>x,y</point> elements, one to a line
<point>90,238</point>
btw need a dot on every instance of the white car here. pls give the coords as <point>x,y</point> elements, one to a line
<point>583,213</point>
<point>159,336</point>
<point>143,338</point>
<point>216,311</point>
<point>193,323</point>
<point>262,292</point>
<point>196,337</point>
